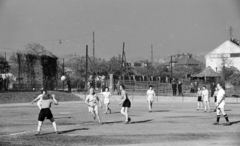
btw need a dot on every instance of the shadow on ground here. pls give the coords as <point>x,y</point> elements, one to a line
<point>144,121</point>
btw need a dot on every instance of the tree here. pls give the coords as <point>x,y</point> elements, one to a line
<point>4,65</point>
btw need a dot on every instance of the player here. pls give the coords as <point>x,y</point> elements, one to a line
<point>92,100</point>
<point>199,99</point>
<point>126,104</point>
<point>205,99</point>
<point>45,111</point>
<point>220,104</point>
<point>150,97</point>
<point>106,94</point>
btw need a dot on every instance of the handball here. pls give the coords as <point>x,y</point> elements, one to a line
<point>63,78</point>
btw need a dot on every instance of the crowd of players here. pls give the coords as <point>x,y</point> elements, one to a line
<point>93,102</point>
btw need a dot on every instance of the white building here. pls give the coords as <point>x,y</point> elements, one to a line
<point>227,52</point>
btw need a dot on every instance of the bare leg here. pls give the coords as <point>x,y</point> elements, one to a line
<point>97,114</point>
<point>126,114</point>
<point>39,126</point>
<point>208,106</point>
<point>54,124</point>
<point>106,108</point>
<point>205,106</point>
<point>201,104</point>
<point>198,105</point>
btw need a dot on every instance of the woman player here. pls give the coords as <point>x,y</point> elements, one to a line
<point>106,94</point>
<point>205,99</point>
<point>150,97</point>
<point>215,96</point>
<point>199,99</point>
<point>126,104</point>
<point>45,111</point>
<point>92,100</point>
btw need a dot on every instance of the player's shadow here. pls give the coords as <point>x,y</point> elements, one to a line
<point>114,122</point>
<point>161,111</point>
<point>66,131</point>
<point>234,122</point>
<point>62,117</point>
<point>72,130</point>
<point>144,121</point>
<point>115,112</point>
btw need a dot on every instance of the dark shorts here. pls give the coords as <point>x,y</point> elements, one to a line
<point>215,98</point>
<point>199,98</point>
<point>126,103</point>
<point>45,113</point>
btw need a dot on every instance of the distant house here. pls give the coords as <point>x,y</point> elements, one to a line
<point>228,52</point>
<point>188,61</point>
<point>183,60</point>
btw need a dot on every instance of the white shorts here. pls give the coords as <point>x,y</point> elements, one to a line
<point>106,100</point>
<point>222,104</point>
<point>93,108</point>
<point>150,99</point>
<point>205,99</point>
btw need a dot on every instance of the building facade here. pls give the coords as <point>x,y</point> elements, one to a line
<point>227,54</point>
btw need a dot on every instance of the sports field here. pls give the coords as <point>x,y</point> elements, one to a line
<point>170,123</point>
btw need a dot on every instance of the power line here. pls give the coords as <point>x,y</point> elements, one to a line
<point>50,40</point>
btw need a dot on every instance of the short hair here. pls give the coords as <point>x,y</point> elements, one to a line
<point>221,84</point>
<point>106,88</point>
<point>150,86</point>
<point>46,97</point>
<point>43,90</point>
<point>122,86</point>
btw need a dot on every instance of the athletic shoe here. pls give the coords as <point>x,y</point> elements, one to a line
<point>129,119</point>
<point>197,109</point>
<point>100,123</point>
<point>215,110</point>
<point>216,123</point>
<point>126,122</point>
<point>57,132</point>
<point>94,118</point>
<point>38,133</point>
<point>227,124</point>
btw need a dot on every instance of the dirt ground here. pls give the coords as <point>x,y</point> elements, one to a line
<point>170,123</point>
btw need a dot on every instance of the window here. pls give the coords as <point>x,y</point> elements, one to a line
<point>235,55</point>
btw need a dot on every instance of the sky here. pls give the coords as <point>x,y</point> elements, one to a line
<point>171,26</point>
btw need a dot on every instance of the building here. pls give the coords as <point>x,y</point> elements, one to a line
<point>228,52</point>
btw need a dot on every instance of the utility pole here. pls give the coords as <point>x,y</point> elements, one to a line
<point>86,68</point>
<point>147,72</point>
<point>171,69</point>
<point>93,46</point>
<point>123,63</point>
<point>63,73</point>
<point>152,54</point>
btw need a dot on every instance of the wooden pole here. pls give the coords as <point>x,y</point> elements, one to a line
<point>86,67</point>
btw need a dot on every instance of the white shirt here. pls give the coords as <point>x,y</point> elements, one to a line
<point>150,93</point>
<point>220,95</point>
<point>91,99</point>
<point>106,94</point>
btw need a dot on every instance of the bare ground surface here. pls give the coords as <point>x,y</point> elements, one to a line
<point>170,123</point>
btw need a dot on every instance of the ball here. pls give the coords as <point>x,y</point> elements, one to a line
<point>63,78</point>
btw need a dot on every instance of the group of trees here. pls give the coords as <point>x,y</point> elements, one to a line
<point>32,67</point>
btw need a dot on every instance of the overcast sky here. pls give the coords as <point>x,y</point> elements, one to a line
<point>194,26</point>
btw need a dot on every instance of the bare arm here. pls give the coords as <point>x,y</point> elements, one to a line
<point>54,100</point>
<point>39,96</point>
<point>99,102</point>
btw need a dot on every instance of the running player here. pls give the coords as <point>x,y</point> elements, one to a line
<point>106,94</point>
<point>92,100</point>
<point>150,97</point>
<point>220,104</point>
<point>205,99</point>
<point>199,99</point>
<point>126,104</point>
<point>45,111</point>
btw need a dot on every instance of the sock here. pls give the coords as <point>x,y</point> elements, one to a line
<point>218,118</point>
<point>226,117</point>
